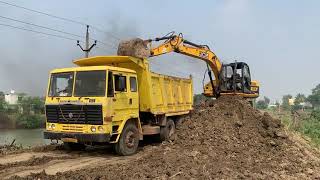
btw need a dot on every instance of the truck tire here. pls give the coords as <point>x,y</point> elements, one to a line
<point>129,140</point>
<point>73,146</point>
<point>167,132</point>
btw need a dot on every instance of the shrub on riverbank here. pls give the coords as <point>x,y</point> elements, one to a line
<point>30,121</point>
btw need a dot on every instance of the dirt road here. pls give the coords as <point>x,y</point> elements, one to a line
<point>26,163</point>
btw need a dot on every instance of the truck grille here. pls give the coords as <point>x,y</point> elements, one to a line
<point>72,128</point>
<point>74,114</point>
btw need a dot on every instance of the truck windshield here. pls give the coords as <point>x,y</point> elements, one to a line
<point>90,83</point>
<point>61,84</point>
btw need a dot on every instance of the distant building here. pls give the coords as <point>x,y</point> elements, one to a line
<point>291,101</point>
<point>11,98</point>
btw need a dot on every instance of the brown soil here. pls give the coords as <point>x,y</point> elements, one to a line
<point>227,139</point>
<point>134,47</point>
<point>7,149</point>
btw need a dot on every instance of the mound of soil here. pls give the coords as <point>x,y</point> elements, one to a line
<point>134,47</point>
<point>226,140</point>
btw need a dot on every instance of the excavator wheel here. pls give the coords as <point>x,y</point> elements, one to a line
<point>167,132</point>
<point>129,140</point>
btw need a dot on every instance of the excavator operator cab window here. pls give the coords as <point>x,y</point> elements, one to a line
<point>236,77</point>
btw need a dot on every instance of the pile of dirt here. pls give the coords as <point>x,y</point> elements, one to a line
<point>135,47</point>
<point>226,140</point>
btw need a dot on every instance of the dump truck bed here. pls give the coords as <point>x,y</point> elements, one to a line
<point>158,94</point>
<point>170,95</point>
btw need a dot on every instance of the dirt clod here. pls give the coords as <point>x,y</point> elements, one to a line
<point>135,47</point>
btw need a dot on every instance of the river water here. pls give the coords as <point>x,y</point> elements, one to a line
<point>25,137</point>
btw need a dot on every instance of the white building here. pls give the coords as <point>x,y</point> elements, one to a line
<point>11,98</point>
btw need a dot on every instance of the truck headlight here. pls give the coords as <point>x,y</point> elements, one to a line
<point>100,128</point>
<point>52,126</point>
<point>93,129</point>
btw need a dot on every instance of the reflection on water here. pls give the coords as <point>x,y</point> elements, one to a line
<point>25,137</point>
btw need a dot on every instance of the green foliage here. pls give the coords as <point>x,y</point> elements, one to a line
<point>314,98</point>
<point>198,98</point>
<point>266,100</point>
<point>300,98</point>
<point>30,121</point>
<point>28,113</point>
<point>3,103</point>
<point>32,104</point>
<point>311,127</point>
<point>285,102</point>
<point>261,104</point>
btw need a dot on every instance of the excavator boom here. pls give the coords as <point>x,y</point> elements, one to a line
<point>222,84</point>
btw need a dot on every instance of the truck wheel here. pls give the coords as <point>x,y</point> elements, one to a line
<point>167,132</point>
<point>73,146</point>
<point>129,140</point>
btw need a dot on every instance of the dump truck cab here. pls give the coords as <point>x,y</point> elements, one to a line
<point>102,101</point>
<point>79,101</point>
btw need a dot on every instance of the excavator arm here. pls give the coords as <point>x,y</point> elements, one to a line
<point>227,79</point>
<point>177,44</point>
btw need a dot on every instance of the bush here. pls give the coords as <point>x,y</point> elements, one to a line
<point>311,127</point>
<point>315,114</point>
<point>30,121</point>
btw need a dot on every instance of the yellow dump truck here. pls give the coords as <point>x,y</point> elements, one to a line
<point>116,100</point>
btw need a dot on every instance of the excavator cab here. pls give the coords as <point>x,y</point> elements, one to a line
<point>235,78</point>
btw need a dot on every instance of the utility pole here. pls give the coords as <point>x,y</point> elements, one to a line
<point>87,44</point>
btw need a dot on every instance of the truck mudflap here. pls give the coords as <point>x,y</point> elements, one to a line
<point>80,137</point>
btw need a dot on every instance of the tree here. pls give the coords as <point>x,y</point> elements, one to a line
<point>199,98</point>
<point>300,98</point>
<point>261,104</point>
<point>3,105</point>
<point>314,98</point>
<point>32,104</point>
<point>285,101</point>
<point>266,100</point>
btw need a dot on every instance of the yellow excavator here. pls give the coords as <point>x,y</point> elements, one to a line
<point>230,79</point>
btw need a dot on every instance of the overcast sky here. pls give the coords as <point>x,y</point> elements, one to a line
<point>278,39</point>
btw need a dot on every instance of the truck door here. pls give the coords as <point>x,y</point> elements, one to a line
<point>124,104</point>
<point>134,97</point>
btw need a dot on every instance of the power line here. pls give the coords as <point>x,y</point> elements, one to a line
<point>44,27</point>
<point>59,17</point>
<point>43,13</point>
<point>51,29</point>
<point>47,34</point>
<point>39,32</point>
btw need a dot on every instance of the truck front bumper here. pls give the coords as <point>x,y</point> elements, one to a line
<point>80,137</point>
